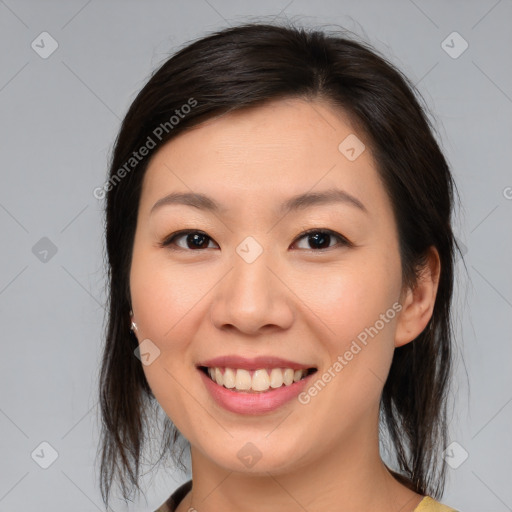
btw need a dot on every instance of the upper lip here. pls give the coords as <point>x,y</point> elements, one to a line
<point>255,363</point>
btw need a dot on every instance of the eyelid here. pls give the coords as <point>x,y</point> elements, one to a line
<point>167,241</point>
<point>343,241</point>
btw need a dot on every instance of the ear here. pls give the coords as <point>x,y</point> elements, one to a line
<point>133,326</point>
<point>418,304</point>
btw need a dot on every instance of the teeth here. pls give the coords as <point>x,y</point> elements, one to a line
<point>288,376</point>
<point>243,380</point>
<point>229,378</point>
<point>276,378</point>
<point>218,376</point>
<point>258,380</point>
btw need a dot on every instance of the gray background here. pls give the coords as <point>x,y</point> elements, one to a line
<point>59,117</point>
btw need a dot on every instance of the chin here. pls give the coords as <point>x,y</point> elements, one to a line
<point>256,457</point>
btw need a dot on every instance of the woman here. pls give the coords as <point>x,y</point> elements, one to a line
<point>280,252</point>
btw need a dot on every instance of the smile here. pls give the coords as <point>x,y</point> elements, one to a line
<point>255,394</point>
<point>255,381</point>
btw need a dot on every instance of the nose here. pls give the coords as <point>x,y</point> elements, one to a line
<point>252,298</point>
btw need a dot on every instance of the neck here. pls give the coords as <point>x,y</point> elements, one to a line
<point>350,476</point>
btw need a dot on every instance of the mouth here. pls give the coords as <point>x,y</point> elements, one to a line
<point>255,381</point>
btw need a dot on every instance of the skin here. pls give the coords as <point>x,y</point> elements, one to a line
<point>295,301</point>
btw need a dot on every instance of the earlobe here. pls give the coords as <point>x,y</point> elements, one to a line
<point>133,326</point>
<point>419,301</point>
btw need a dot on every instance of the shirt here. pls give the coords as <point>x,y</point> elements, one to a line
<point>427,504</point>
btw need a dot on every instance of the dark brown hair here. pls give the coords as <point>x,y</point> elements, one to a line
<point>245,66</point>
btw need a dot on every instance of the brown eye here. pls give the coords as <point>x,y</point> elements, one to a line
<point>194,240</point>
<point>319,239</point>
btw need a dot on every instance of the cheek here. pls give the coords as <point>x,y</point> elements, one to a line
<point>166,301</point>
<point>357,306</point>
<point>171,304</point>
<point>164,294</point>
<point>348,300</point>
<point>162,300</point>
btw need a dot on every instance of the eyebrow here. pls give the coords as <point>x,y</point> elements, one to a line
<point>295,203</point>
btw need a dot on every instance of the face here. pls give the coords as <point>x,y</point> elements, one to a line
<point>245,282</point>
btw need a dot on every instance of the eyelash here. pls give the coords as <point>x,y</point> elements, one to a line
<point>168,241</point>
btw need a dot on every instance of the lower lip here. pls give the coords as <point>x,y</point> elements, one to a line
<point>253,403</point>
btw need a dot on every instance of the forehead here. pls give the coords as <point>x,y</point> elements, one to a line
<point>273,151</point>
